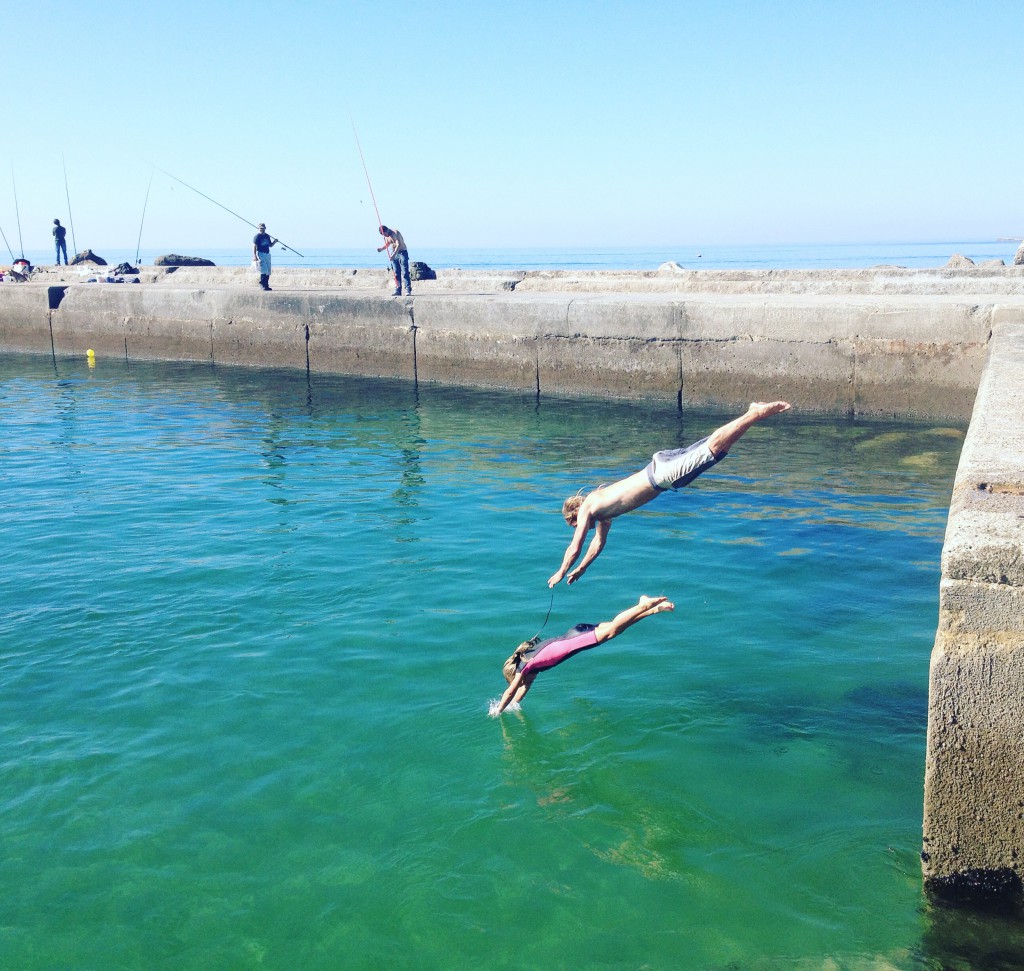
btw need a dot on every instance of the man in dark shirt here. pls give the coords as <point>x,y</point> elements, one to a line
<point>59,232</point>
<point>261,244</point>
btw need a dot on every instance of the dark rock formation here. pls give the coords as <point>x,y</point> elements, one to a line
<point>123,268</point>
<point>174,260</point>
<point>88,256</point>
<point>420,271</point>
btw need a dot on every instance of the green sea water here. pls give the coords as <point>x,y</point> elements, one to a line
<point>253,622</point>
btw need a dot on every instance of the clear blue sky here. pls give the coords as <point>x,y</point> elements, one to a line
<point>517,124</point>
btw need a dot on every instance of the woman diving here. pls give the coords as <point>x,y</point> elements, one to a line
<point>534,656</point>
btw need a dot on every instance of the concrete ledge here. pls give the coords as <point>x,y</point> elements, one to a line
<point>877,353</point>
<point>974,772</point>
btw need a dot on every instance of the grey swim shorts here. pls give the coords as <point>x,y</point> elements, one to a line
<point>677,467</point>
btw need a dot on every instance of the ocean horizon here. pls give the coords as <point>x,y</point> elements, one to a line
<point>693,256</point>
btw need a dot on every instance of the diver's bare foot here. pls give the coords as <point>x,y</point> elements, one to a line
<point>655,605</point>
<point>763,409</point>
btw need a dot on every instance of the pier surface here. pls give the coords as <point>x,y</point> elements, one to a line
<point>885,341</point>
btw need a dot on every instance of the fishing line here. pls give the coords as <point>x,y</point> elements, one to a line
<point>225,208</point>
<point>365,170</point>
<point>138,245</point>
<point>71,219</point>
<point>373,198</point>
<point>547,615</point>
<point>8,245</point>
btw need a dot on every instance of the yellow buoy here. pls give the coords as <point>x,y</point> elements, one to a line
<point>90,356</point>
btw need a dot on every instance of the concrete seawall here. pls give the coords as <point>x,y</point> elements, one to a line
<point>974,776</point>
<point>934,344</point>
<point>869,342</point>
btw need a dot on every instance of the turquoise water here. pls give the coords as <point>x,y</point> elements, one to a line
<point>254,622</point>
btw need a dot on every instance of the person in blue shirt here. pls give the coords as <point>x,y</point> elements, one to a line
<point>261,244</point>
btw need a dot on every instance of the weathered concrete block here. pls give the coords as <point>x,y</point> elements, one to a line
<point>503,315</point>
<point>992,613</point>
<point>483,339</point>
<point>985,538</point>
<point>817,376</point>
<point>938,320</point>
<point>974,771</point>
<point>495,361</point>
<point>147,337</point>
<point>257,329</point>
<point>714,317</point>
<point>372,336</point>
<point>551,343</point>
<point>137,322</point>
<point>25,318</point>
<point>900,377</point>
<point>87,319</point>
<point>622,368</point>
<point>617,317</point>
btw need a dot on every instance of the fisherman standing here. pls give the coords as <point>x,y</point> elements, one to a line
<point>261,244</point>
<point>399,258</point>
<point>59,232</point>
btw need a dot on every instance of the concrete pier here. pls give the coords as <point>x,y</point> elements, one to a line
<point>974,776</point>
<point>886,341</point>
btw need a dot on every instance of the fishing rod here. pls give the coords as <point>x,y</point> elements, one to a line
<point>71,219</point>
<point>8,245</point>
<point>373,198</point>
<point>138,246</point>
<point>216,203</point>
<point>21,245</point>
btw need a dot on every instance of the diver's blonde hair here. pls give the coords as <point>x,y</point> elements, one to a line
<point>508,669</point>
<point>572,504</point>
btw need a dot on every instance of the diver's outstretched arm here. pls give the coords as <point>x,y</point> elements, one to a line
<point>516,691</point>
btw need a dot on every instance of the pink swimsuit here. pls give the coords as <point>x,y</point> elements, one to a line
<point>561,648</point>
